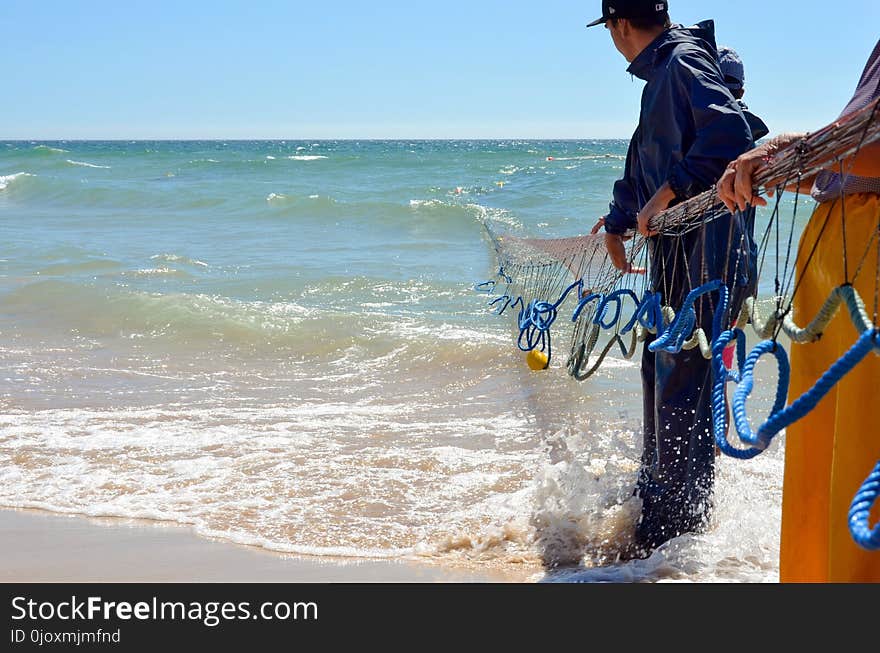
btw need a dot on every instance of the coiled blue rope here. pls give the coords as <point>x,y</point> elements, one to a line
<point>860,512</point>
<point>672,339</point>
<point>536,319</point>
<point>721,376</point>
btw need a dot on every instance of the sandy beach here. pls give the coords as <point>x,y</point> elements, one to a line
<point>43,547</point>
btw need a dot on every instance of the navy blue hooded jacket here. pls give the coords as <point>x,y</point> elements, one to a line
<point>690,126</point>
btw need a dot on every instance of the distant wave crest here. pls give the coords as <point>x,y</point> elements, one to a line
<point>86,165</point>
<point>176,258</point>
<point>7,180</point>
<point>50,150</point>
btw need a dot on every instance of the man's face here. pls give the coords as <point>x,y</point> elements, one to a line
<point>617,35</point>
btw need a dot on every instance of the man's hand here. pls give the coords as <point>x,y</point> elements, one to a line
<point>598,226</point>
<point>736,186</point>
<point>617,252</point>
<point>657,204</point>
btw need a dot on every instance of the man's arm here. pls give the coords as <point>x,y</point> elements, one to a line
<point>657,204</point>
<point>622,215</point>
<point>625,205</point>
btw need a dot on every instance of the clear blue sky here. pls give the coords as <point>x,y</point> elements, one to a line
<point>389,69</point>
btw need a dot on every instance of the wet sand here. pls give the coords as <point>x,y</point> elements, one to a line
<point>45,547</point>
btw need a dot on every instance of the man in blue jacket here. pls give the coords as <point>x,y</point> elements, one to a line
<point>690,128</point>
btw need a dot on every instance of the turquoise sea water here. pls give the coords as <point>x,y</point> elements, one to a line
<point>278,343</point>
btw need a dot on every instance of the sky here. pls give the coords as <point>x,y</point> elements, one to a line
<point>350,69</point>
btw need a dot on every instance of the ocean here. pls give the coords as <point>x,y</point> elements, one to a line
<point>278,343</point>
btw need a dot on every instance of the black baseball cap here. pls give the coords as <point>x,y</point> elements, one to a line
<point>630,9</point>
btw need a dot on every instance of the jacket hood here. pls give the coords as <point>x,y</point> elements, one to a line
<point>701,36</point>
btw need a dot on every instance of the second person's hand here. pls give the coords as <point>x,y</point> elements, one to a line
<point>736,186</point>
<point>617,252</point>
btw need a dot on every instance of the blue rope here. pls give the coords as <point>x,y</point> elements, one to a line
<point>617,297</point>
<point>584,302</point>
<point>780,419</point>
<point>536,319</point>
<point>503,298</point>
<point>672,340</point>
<point>650,313</point>
<point>722,375</point>
<point>762,439</point>
<point>640,309</point>
<point>719,403</point>
<point>860,511</point>
<point>519,302</point>
<point>780,416</point>
<point>486,287</point>
<point>735,376</point>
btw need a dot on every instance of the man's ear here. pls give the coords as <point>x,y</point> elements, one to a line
<point>624,27</point>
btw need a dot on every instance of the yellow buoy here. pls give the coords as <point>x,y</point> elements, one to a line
<point>537,360</point>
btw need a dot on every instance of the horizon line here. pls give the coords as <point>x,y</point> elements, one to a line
<point>323,139</point>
